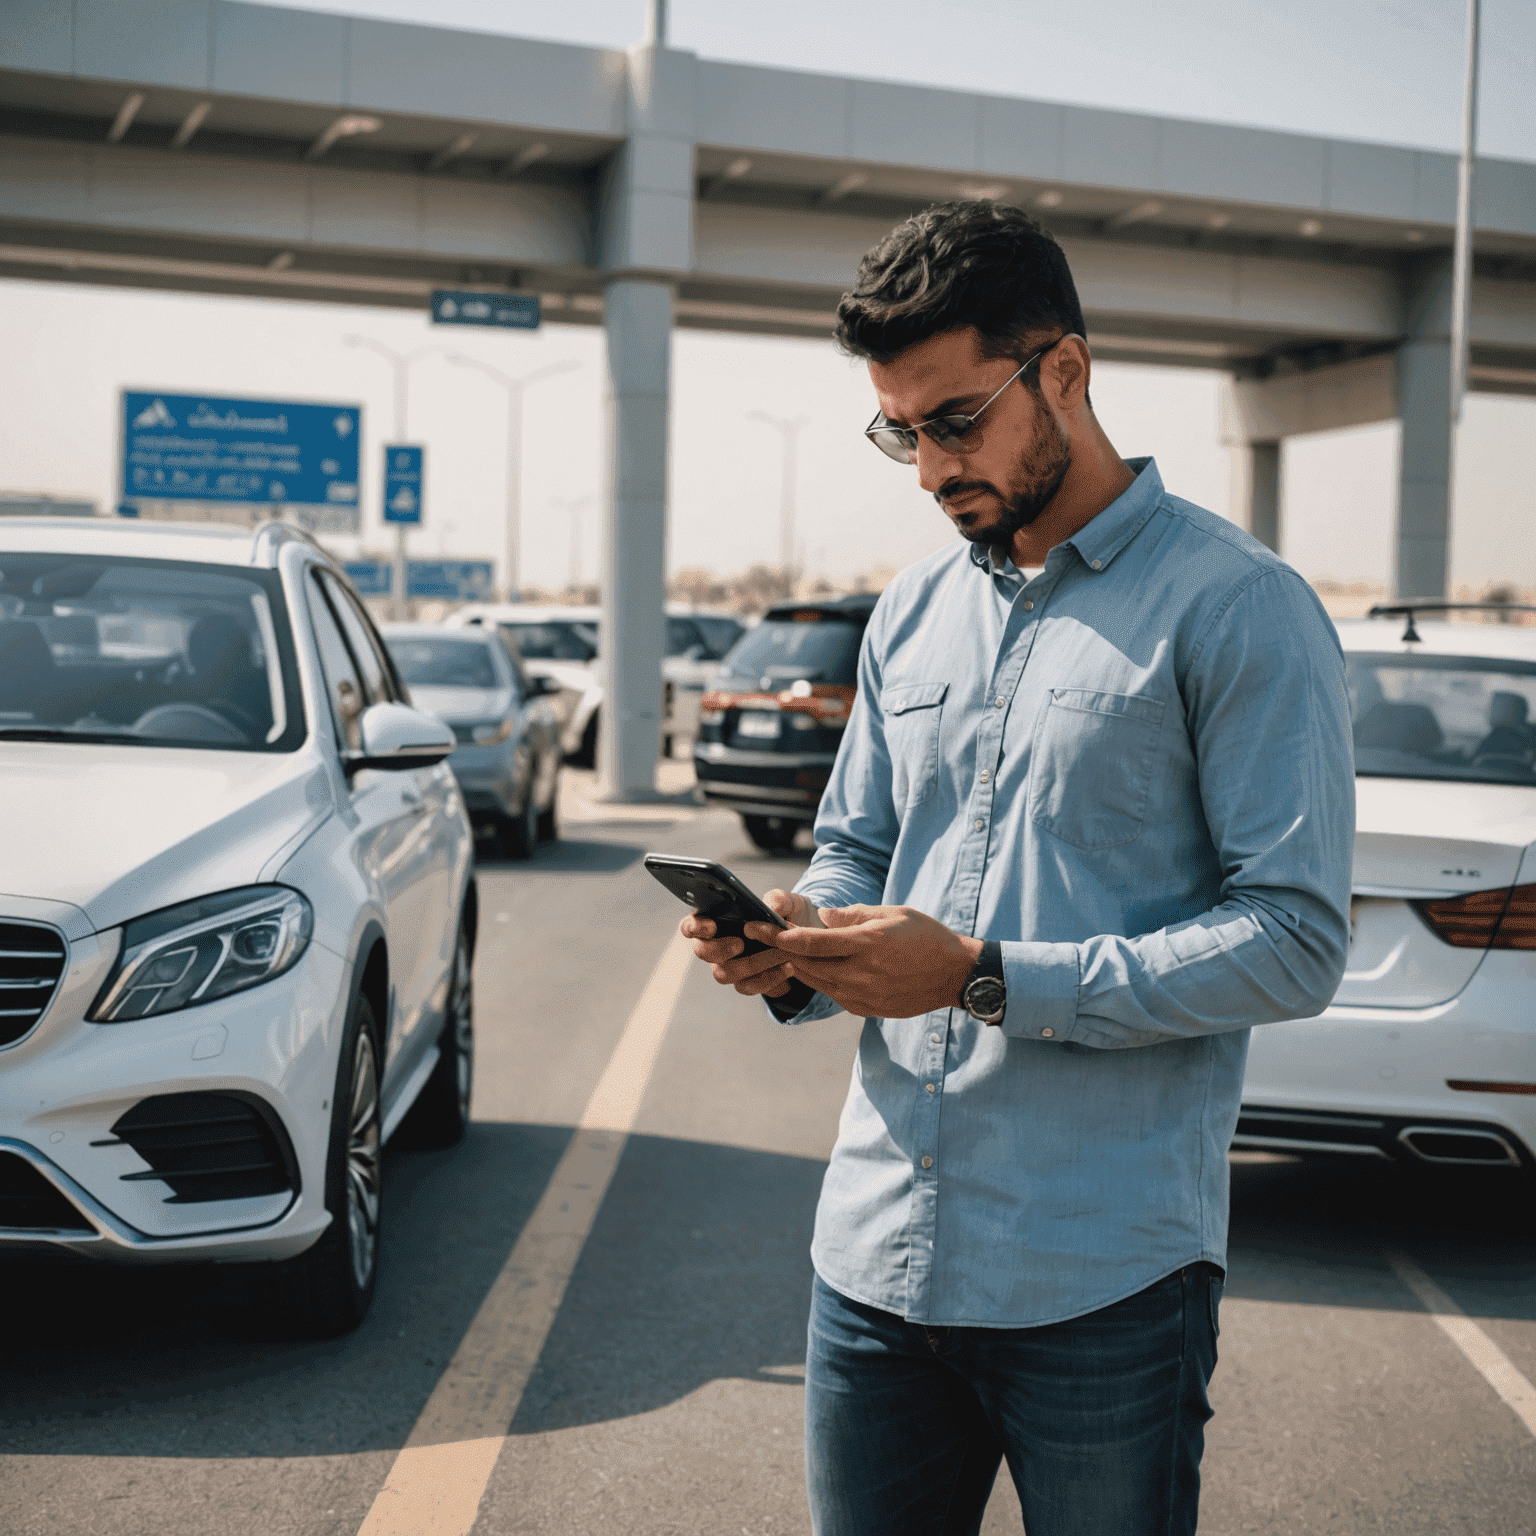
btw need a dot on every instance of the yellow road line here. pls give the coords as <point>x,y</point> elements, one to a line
<point>439,1478</point>
<point>1495,1366</point>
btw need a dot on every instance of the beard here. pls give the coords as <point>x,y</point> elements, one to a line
<point>1040,470</point>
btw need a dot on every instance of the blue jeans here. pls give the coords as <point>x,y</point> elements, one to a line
<point>1102,1418</point>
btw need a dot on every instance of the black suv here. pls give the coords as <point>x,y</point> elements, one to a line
<point>772,723</point>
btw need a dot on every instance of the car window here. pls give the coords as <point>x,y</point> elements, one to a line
<point>343,685</point>
<point>514,666</point>
<point>433,661</point>
<point>551,641</point>
<point>146,652</point>
<point>682,636</point>
<point>720,634</point>
<point>1466,718</point>
<point>818,648</point>
<point>377,682</point>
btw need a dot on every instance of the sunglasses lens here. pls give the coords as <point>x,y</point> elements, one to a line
<point>895,444</point>
<point>949,432</point>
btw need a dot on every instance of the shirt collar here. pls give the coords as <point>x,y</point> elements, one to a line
<point>1107,534</point>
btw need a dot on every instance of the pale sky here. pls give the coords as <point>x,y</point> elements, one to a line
<point>1389,72</point>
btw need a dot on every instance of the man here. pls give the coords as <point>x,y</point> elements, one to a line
<point>1092,819</point>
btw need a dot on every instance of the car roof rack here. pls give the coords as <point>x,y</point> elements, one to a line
<point>1410,606</point>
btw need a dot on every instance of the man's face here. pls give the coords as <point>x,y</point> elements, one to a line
<point>1004,473</point>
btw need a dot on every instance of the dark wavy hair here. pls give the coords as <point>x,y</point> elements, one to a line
<point>978,263</point>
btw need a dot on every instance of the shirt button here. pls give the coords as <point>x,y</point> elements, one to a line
<point>979,824</point>
<point>1001,701</point>
<point>937,1039</point>
<point>930,1088</point>
<point>1046,1032</point>
<point>927,1162</point>
<point>1098,565</point>
<point>986,773</point>
<point>1028,604</point>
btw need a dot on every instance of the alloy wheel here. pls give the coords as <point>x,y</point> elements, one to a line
<point>463,1017</point>
<point>363,1162</point>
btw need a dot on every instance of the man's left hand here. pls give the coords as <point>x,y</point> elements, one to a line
<point>879,962</point>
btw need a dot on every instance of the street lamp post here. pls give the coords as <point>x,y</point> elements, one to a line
<point>1461,296</point>
<point>571,506</point>
<point>400,362</point>
<point>514,388</point>
<point>788,428</point>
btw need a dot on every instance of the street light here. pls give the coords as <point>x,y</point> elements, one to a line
<point>400,362</point>
<point>514,388</point>
<point>788,428</point>
<point>571,506</point>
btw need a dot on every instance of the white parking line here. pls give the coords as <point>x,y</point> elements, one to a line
<point>1495,1365</point>
<point>439,1478</point>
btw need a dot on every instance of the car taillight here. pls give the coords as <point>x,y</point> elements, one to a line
<point>1503,919</point>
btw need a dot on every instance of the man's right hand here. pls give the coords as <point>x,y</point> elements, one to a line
<point>762,974</point>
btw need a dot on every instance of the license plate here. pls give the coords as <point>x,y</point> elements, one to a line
<point>758,723</point>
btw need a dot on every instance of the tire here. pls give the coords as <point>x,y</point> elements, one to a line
<point>549,817</point>
<point>440,1115</point>
<point>773,834</point>
<point>520,833</point>
<point>327,1290</point>
<point>585,756</point>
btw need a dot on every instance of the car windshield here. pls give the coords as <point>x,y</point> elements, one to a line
<point>430,662</point>
<point>817,648</point>
<point>145,653</point>
<point>721,633</point>
<point>1467,718</point>
<point>556,640</point>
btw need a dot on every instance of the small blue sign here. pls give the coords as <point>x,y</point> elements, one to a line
<point>262,452</point>
<point>470,581</point>
<point>402,483</point>
<point>372,578</point>
<point>455,306</point>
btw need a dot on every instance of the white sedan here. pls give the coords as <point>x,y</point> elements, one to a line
<point>238,912</point>
<point>1427,1054</point>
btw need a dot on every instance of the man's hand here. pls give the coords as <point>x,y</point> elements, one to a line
<point>878,962</point>
<point>751,975</point>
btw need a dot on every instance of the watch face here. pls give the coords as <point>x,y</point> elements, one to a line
<point>986,998</point>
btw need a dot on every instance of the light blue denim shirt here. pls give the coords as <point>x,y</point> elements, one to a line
<point>1135,770</point>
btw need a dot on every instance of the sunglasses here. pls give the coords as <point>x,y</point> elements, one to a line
<point>949,432</point>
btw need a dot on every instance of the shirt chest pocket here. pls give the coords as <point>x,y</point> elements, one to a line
<point>913,712</point>
<point>1091,765</point>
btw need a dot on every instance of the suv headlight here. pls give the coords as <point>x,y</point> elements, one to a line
<point>203,949</point>
<point>492,732</point>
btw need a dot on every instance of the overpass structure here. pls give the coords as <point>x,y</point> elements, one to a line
<point>214,146</point>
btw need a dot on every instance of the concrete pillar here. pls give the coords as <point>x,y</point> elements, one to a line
<point>1256,490</point>
<point>637,315</point>
<point>645,244</point>
<point>1425,462</point>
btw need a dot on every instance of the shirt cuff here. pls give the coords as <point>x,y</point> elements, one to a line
<point>801,1004</point>
<point>1042,981</point>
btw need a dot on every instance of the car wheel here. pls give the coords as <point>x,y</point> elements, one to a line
<point>549,817</point>
<point>773,834</point>
<point>328,1288</point>
<point>520,833</point>
<point>440,1115</point>
<point>585,756</point>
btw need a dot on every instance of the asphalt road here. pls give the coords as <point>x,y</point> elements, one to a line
<point>667,1396</point>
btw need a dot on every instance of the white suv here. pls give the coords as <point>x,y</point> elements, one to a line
<point>237,911</point>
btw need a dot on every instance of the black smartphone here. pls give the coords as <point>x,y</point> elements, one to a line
<point>714,892</point>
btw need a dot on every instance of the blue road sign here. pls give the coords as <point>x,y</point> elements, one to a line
<point>455,306</point>
<point>372,578</point>
<point>265,452</point>
<point>471,581</point>
<point>402,483</point>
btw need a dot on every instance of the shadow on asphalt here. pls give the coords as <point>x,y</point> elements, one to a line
<point>569,856</point>
<point>1317,1230</point>
<point>696,1270</point>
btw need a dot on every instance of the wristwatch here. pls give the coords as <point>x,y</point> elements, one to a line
<point>985,993</point>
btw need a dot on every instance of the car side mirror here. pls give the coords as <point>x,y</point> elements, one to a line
<point>396,736</point>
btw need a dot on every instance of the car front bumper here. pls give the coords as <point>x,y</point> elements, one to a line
<point>65,1087</point>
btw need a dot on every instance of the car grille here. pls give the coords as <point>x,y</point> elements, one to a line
<point>31,962</point>
<point>208,1146</point>
<point>28,1202</point>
